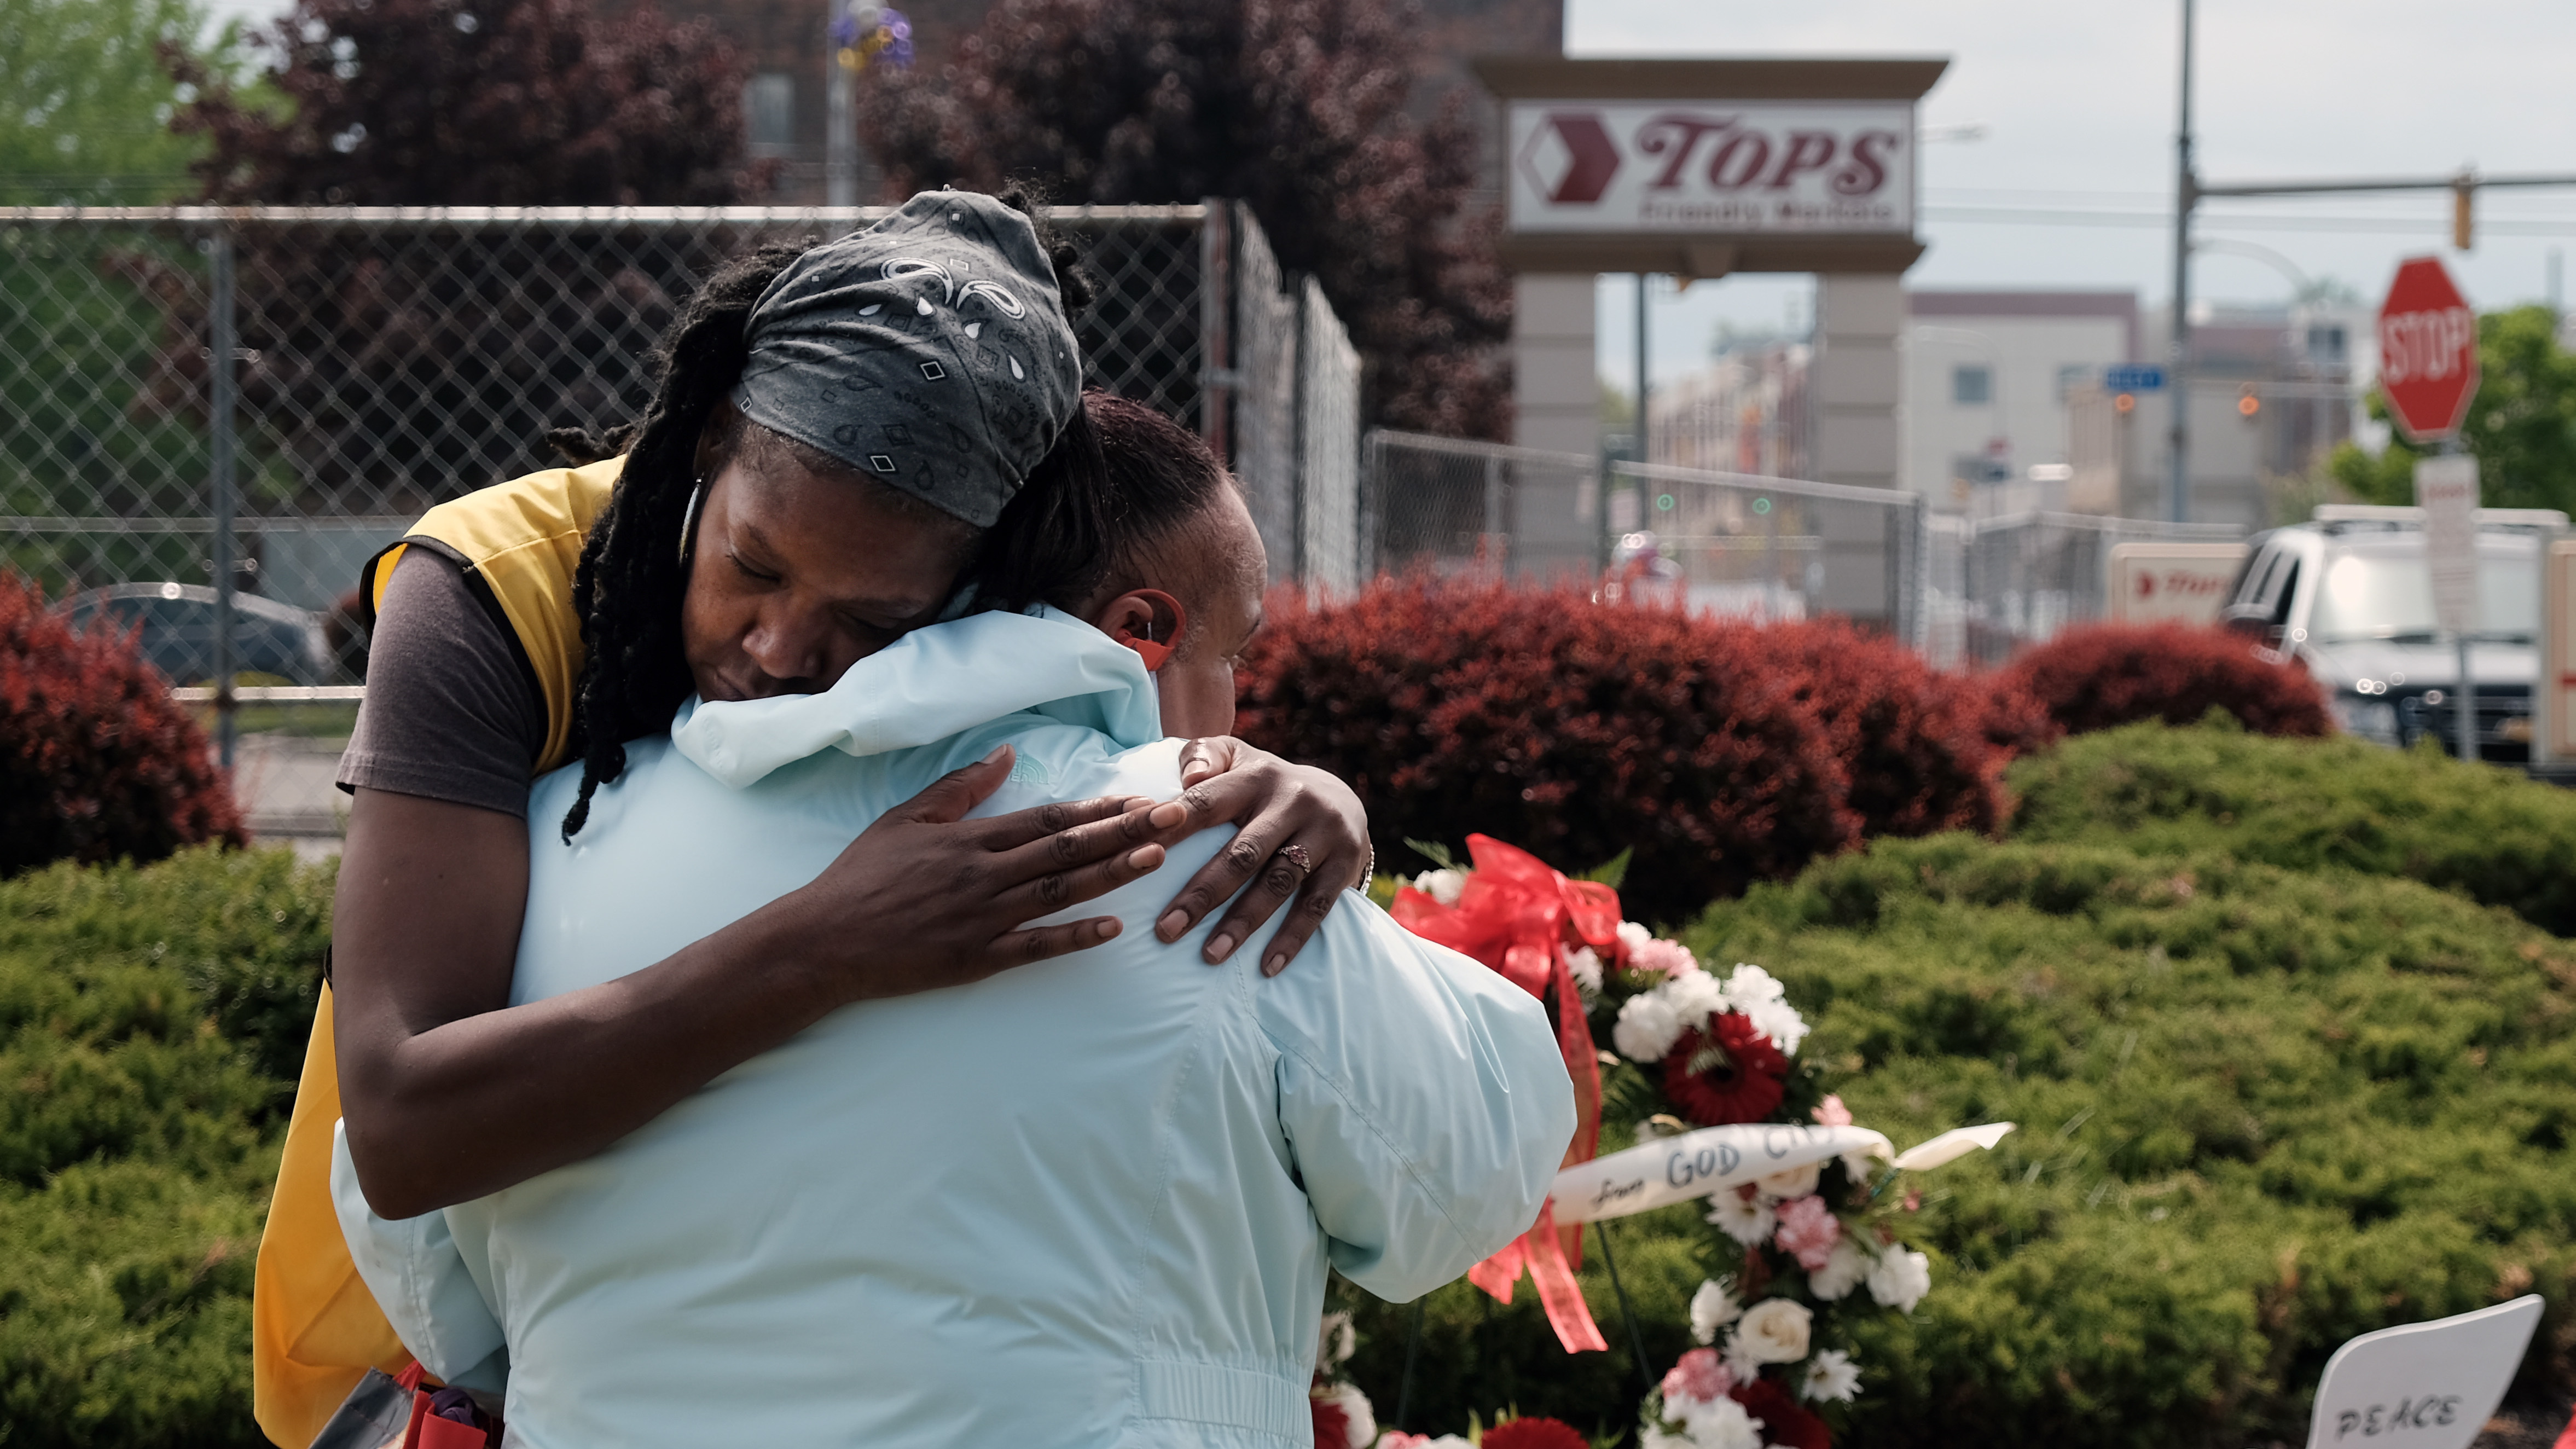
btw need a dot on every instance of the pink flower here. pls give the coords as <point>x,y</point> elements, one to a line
<point>1832,1113</point>
<point>1808,1231</point>
<point>1699,1377</point>
<point>1662,958</point>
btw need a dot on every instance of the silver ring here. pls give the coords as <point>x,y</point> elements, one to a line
<point>1296,855</point>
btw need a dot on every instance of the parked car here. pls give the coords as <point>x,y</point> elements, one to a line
<point>2349,595</point>
<point>174,628</point>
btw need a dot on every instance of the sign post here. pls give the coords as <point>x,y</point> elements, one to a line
<point>2428,371</point>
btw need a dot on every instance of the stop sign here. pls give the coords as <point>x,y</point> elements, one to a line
<point>2428,351</point>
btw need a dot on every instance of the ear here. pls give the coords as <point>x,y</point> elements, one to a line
<point>1148,621</point>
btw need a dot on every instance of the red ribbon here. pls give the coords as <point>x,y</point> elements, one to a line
<point>1522,918</point>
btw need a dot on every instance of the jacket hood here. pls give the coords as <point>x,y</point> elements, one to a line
<point>931,684</point>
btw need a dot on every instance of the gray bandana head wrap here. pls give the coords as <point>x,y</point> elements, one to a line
<point>930,352</point>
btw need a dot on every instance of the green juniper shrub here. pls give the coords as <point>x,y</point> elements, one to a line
<point>2261,1112</point>
<point>2095,676</point>
<point>2484,832</point>
<point>152,1020</point>
<point>96,761</point>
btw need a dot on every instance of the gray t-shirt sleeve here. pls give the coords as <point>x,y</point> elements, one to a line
<point>452,713</point>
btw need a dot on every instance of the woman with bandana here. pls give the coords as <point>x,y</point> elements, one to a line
<point>847,442</point>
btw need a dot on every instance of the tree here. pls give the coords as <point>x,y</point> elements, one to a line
<point>1295,106</point>
<point>2521,427</point>
<point>478,103</point>
<point>89,102</point>
<point>386,368</point>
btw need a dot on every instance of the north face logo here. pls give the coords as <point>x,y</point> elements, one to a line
<point>1570,159</point>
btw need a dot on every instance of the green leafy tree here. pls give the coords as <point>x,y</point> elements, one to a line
<point>88,101</point>
<point>1297,107</point>
<point>2521,428</point>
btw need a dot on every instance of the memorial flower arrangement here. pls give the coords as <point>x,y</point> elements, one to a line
<point>1812,1244</point>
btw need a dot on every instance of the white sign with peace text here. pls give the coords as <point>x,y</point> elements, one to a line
<point>2423,1386</point>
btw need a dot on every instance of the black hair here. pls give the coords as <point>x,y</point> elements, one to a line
<point>628,590</point>
<point>1161,478</point>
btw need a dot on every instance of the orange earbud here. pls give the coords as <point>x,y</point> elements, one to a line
<point>1154,652</point>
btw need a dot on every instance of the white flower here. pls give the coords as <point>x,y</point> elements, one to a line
<point>1792,1182</point>
<point>1843,1272</point>
<point>1777,1020</point>
<point>1444,886</point>
<point>1748,1220</point>
<point>1751,986</point>
<point>1647,1027</point>
<point>1356,1408</point>
<point>1694,997</point>
<point>1632,936</point>
<point>1336,1342</point>
<point>1900,1278</point>
<point>1830,1375</point>
<point>1712,1308</point>
<point>1586,967</point>
<point>1721,1424</point>
<point>1858,1164</point>
<point>1739,1359</point>
<point>1775,1330</point>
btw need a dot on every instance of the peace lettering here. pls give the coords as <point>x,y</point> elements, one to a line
<point>2378,1419</point>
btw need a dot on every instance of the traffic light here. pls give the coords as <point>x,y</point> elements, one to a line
<point>2463,214</point>
<point>2247,405</point>
<point>2125,402</point>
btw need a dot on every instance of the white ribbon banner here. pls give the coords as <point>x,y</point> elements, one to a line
<point>1695,1164</point>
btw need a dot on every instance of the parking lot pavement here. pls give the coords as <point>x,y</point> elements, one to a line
<point>284,785</point>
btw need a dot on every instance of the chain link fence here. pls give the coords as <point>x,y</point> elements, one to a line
<point>1999,584</point>
<point>382,360</point>
<point>1451,507</point>
<point>1772,548</point>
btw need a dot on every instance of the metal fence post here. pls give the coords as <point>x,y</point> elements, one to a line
<point>1490,545</point>
<point>219,484</point>
<point>1218,378</point>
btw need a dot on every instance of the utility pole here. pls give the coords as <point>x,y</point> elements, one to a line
<point>1642,455</point>
<point>2178,353</point>
<point>840,125</point>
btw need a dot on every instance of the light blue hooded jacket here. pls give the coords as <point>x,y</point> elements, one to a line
<point>1089,1202</point>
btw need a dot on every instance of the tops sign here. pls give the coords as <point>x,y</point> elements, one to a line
<point>1713,167</point>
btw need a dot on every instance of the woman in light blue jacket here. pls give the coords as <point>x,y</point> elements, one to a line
<point>1087,1202</point>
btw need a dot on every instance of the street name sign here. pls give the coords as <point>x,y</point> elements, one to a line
<point>2134,377</point>
<point>2428,351</point>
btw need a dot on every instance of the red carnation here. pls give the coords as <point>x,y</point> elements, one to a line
<point>1534,1434</point>
<point>1725,1072</point>
<point>1332,1423</point>
<point>1783,1422</point>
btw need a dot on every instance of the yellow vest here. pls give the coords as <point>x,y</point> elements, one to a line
<point>315,1331</point>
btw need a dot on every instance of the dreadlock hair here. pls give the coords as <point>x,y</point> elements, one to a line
<point>629,587</point>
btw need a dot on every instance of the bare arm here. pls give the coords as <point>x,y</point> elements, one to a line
<point>450,1093</point>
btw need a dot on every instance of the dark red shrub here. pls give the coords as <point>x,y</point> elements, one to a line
<point>96,761</point>
<point>1914,741</point>
<point>1572,729</point>
<point>2010,717</point>
<point>2101,675</point>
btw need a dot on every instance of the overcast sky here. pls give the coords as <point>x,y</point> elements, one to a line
<point>2072,185</point>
